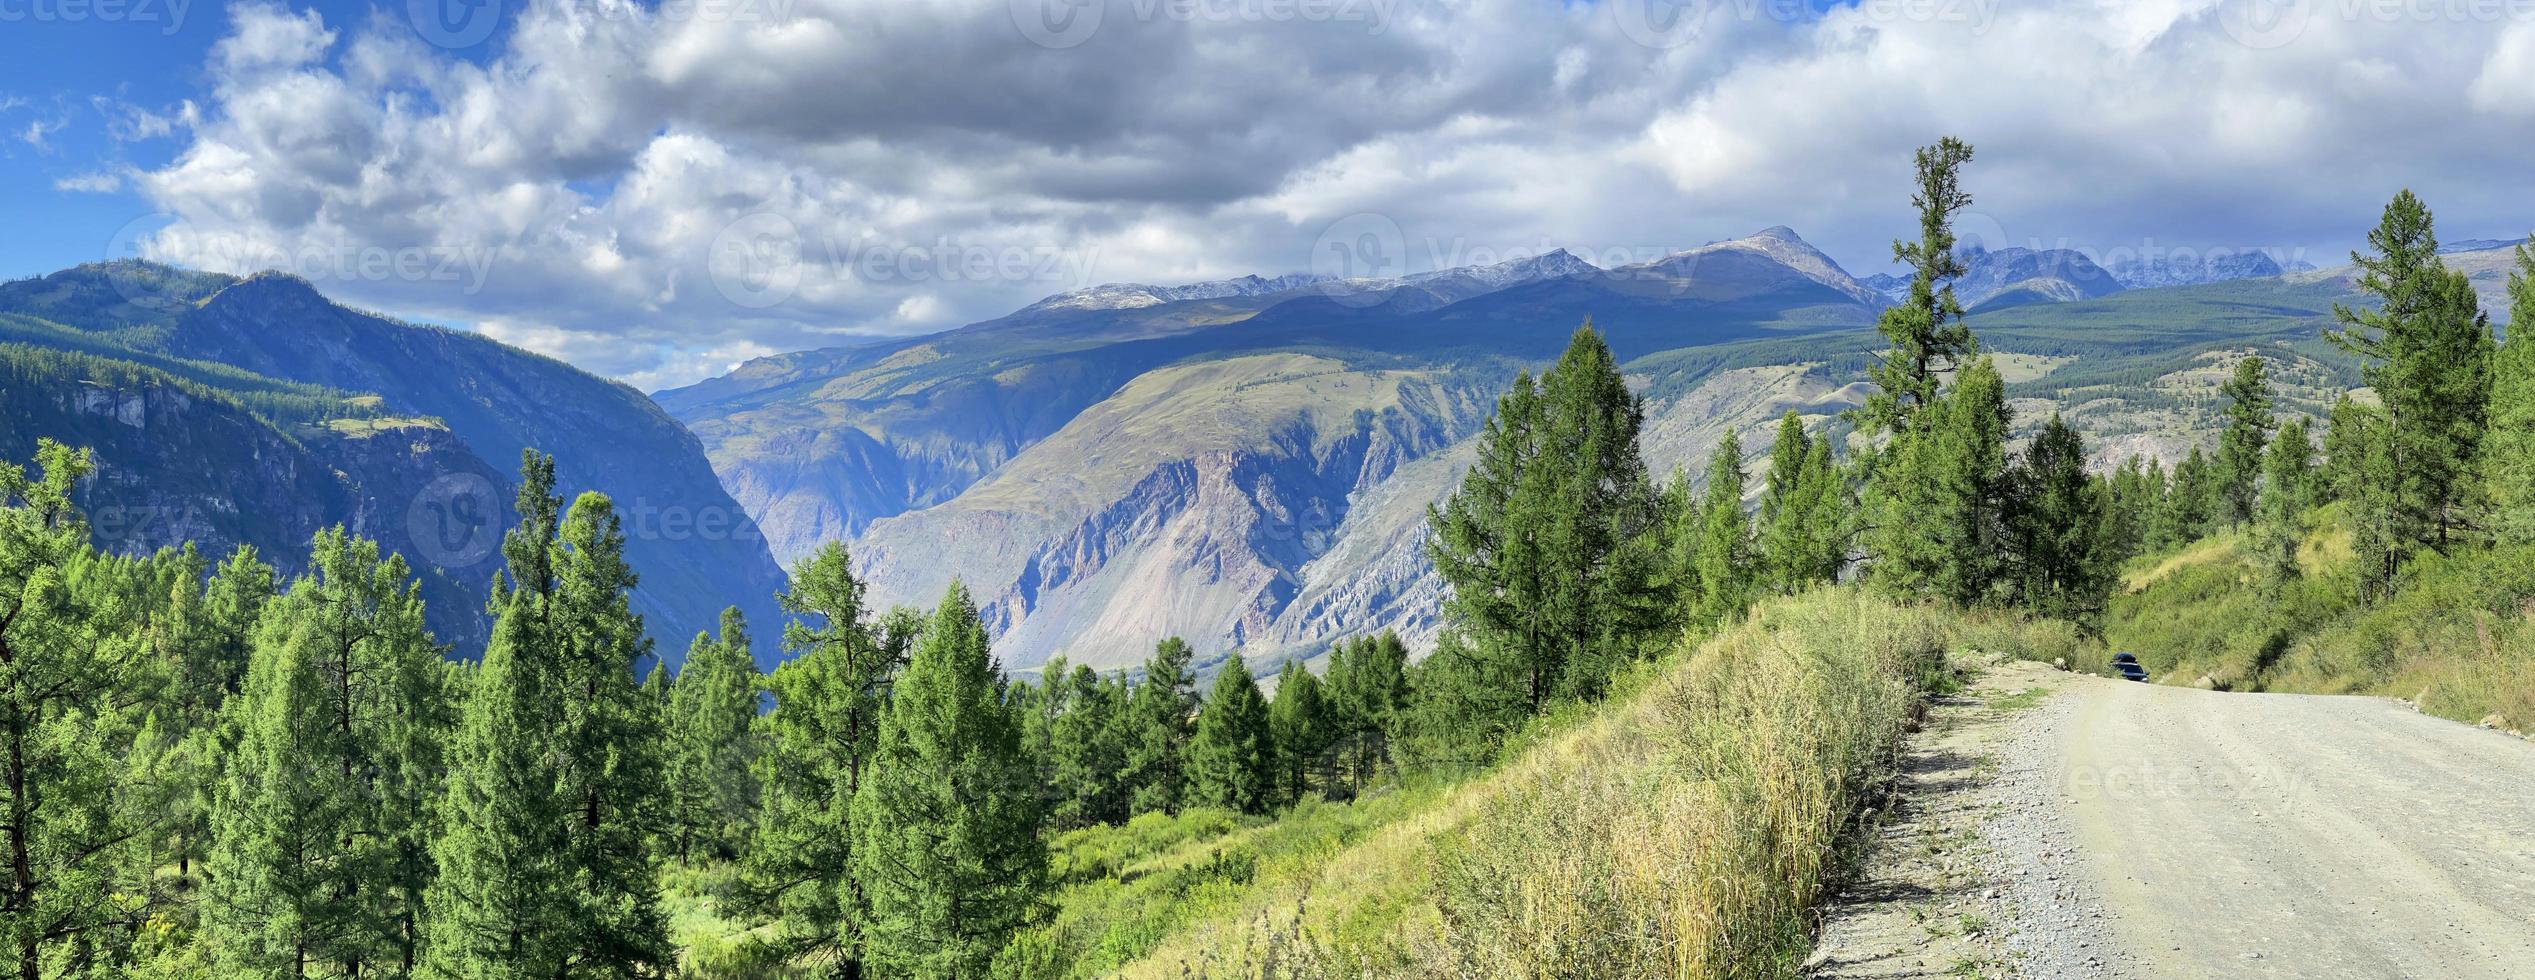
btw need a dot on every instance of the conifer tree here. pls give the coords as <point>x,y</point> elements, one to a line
<point>1925,330</point>
<point>1939,526</point>
<point>2055,526</point>
<point>1551,545</point>
<point>2191,502</point>
<point>818,747</point>
<point>1368,695</point>
<point>2508,450</point>
<point>63,650</point>
<point>2345,448</point>
<point>608,741</point>
<point>288,819</point>
<point>1802,538</point>
<point>2427,349</point>
<point>947,826</point>
<point>1232,760</point>
<point>712,749</point>
<point>1088,743</point>
<point>1722,556</point>
<point>2128,514</point>
<point>2286,494</point>
<point>1461,706</point>
<point>2239,463</point>
<point>555,785</point>
<point>1299,725</point>
<point>1160,707</point>
<point>499,904</point>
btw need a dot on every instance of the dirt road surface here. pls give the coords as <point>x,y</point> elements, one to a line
<point>2138,831</point>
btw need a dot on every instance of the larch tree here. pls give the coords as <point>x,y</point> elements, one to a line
<point>1553,543</point>
<point>1939,527</point>
<point>500,903</point>
<point>2247,392</point>
<point>2287,491</point>
<point>1088,746</point>
<point>1924,333</point>
<point>1299,725</point>
<point>2427,351</point>
<point>63,650</point>
<point>287,823</point>
<point>2508,451</point>
<point>1160,708</point>
<point>712,749</point>
<point>1232,759</point>
<point>555,786</point>
<point>2055,530</point>
<point>1367,692</point>
<point>1721,555</point>
<point>608,743</point>
<point>947,826</point>
<point>819,743</point>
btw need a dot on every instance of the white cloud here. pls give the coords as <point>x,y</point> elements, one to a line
<point>90,183</point>
<point>651,190</point>
<point>2507,83</point>
<point>39,133</point>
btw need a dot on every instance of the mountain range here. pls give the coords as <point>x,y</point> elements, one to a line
<point>1248,462</point>
<point>1245,462</point>
<point>255,411</point>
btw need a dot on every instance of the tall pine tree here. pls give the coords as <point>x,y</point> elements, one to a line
<point>1721,565</point>
<point>1368,694</point>
<point>1159,710</point>
<point>1299,723</point>
<point>2055,527</point>
<point>818,749</point>
<point>2508,451</point>
<point>2427,349</point>
<point>1925,332</point>
<point>65,650</point>
<point>712,709</point>
<point>1232,759</point>
<point>947,827</point>
<point>555,789</point>
<point>2239,463</point>
<point>1551,545</point>
<point>2288,470</point>
<point>1939,524</point>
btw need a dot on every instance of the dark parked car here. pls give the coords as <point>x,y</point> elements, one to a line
<point>2127,664</point>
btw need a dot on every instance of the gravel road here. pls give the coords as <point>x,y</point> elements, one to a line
<point>2058,825</point>
<point>2272,835</point>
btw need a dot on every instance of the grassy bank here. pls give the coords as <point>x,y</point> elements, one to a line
<point>2454,636</point>
<point>1682,829</point>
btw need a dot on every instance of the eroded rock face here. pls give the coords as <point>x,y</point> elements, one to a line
<point>172,468</point>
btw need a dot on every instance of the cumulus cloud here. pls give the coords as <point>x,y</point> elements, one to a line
<point>654,191</point>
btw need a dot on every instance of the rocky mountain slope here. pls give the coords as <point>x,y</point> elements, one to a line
<point>407,433</point>
<point>1248,463</point>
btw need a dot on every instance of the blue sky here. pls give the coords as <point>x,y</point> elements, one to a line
<point>656,192</point>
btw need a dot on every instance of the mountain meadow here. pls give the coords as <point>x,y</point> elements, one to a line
<point>1526,620</point>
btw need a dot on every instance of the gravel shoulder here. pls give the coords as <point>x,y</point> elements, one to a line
<point>2129,830</point>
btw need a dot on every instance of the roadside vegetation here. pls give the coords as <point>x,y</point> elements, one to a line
<point>2396,558</point>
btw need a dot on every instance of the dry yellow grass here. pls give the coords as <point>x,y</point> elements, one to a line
<point>2216,548</point>
<point>1684,832</point>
